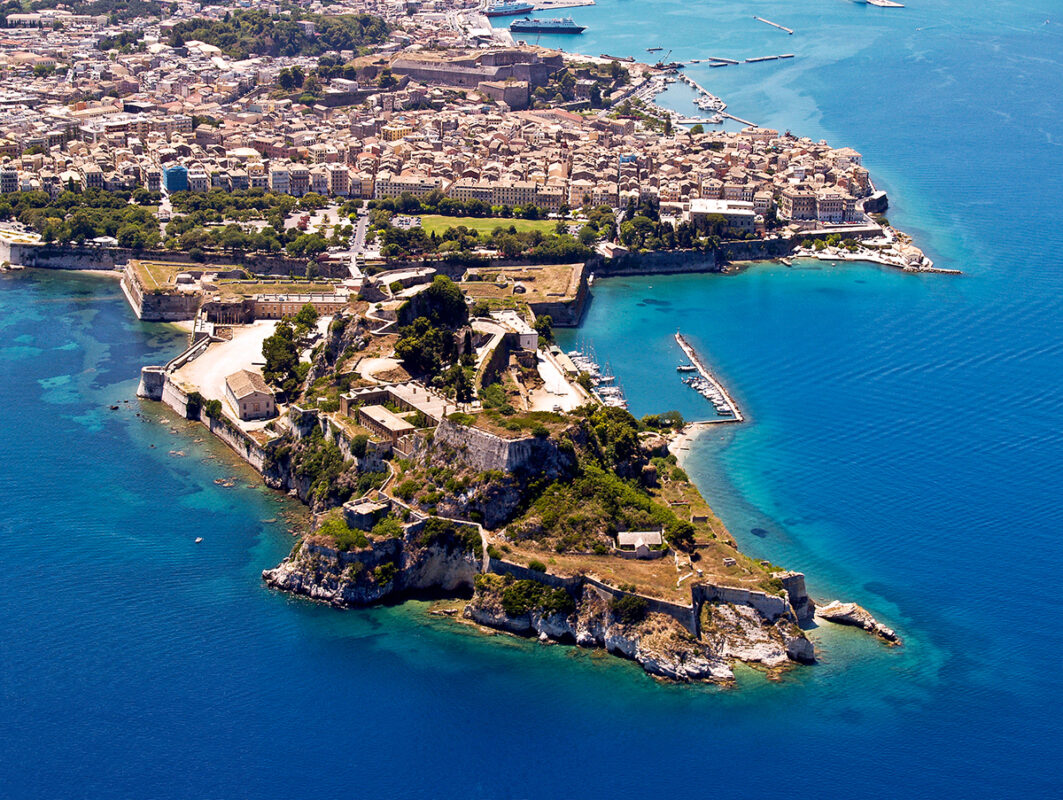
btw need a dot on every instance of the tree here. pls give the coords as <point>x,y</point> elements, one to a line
<point>298,76</point>
<point>306,318</point>
<point>285,79</point>
<point>668,125</point>
<point>544,326</point>
<point>282,358</point>
<point>130,236</point>
<point>447,302</point>
<point>698,129</point>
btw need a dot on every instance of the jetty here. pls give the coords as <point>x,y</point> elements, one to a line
<point>774,25</point>
<point>703,370</point>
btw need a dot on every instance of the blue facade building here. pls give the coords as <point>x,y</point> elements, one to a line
<point>175,178</point>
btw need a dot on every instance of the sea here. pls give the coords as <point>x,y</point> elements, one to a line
<point>903,449</point>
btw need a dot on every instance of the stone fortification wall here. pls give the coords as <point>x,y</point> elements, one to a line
<point>175,397</point>
<point>568,311</point>
<point>657,263</point>
<point>152,382</point>
<point>61,256</point>
<point>495,364</point>
<point>305,420</point>
<point>485,451</point>
<point>521,573</point>
<point>794,584</point>
<point>161,307</point>
<point>244,446</point>
<point>687,616</point>
<point>756,250</point>
<point>57,256</point>
<point>769,605</point>
<point>228,431</point>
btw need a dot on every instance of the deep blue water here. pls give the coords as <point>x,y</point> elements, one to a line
<point>904,450</point>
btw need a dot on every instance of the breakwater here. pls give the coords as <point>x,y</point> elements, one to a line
<point>705,373</point>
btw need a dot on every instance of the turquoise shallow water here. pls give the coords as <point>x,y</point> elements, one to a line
<point>904,451</point>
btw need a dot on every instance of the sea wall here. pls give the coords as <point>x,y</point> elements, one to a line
<point>73,256</point>
<point>242,443</point>
<point>158,306</point>
<point>665,262</point>
<point>756,250</point>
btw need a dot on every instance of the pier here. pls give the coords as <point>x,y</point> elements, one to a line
<point>703,370</point>
<point>774,25</point>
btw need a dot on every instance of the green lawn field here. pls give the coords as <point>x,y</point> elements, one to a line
<point>438,224</point>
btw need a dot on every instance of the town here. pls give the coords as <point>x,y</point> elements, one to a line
<point>369,218</point>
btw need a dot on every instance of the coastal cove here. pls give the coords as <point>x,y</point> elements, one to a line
<point>901,448</point>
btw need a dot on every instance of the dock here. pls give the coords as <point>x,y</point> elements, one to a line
<point>703,370</point>
<point>739,119</point>
<point>774,25</point>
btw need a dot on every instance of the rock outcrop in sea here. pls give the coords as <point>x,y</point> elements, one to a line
<point>858,617</point>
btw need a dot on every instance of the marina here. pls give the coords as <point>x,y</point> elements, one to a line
<point>706,384</point>
<point>603,382</point>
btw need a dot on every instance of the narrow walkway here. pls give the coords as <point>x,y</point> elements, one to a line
<point>695,359</point>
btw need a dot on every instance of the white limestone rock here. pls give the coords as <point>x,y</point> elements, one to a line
<point>858,617</point>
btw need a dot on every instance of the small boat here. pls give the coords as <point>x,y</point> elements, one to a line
<point>686,368</point>
<point>654,49</point>
<point>199,539</point>
<point>787,262</point>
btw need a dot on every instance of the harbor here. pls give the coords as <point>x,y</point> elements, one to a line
<point>706,384</point>
<point>603,383</point>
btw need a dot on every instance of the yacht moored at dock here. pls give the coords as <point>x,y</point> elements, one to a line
<point>707,386</point>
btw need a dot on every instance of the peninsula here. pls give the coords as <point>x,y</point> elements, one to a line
<point>372,222</point>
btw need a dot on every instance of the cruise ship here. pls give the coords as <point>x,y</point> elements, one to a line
<point>507,9</point>
<point>561,25</point>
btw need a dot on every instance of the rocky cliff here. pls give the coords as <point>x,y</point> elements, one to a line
<point>388,568</point>
<point>588,617</point>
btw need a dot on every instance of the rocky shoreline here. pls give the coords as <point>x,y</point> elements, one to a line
<point>569,611</point>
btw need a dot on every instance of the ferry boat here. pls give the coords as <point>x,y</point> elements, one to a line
<point>558,25</point>
<point>507,9</point>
